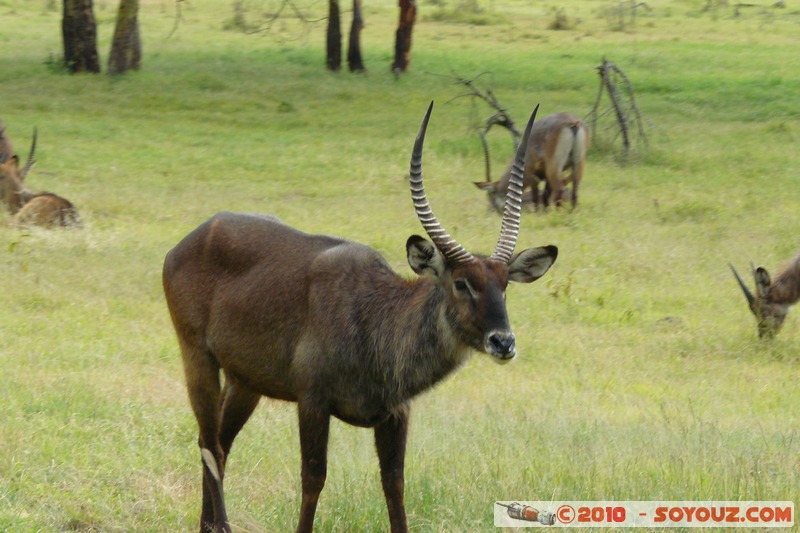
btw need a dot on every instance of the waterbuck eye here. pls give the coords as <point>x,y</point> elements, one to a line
<point>461,285</point>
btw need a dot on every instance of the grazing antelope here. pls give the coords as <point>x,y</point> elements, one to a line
<point>557,142</point>
<point>772,300</point>
<point>326,323</point>
<point>27,207</point>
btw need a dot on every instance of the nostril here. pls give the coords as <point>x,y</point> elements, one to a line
<point>502,343</point>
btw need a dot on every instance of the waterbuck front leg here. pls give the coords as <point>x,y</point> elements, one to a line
<point>390,442</point>
<point>314,425</point>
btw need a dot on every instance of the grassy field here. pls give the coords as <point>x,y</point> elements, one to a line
<point>640,375</point>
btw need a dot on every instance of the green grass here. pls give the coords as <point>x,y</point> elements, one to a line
<point>640,375</point>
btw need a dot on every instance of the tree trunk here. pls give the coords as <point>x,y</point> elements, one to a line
<point>402,43</point>
<point>334,49</point>
<point>79,32</point>
<point>126,48</point>
<point>354,60</point>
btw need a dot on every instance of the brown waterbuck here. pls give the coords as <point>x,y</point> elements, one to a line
<point>29,208</point>
<point>557,143</point>
<point>772,300</point>
<point>326,323</point>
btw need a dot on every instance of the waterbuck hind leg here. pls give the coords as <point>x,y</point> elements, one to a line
<point>574,195</point>
<point>314,426</point>
<point>203,386</point>
<point>238,404</point>
<point>214,518</point>
<point>390,442</point>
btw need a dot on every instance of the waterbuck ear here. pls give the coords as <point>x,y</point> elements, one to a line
<point>423,257</point>
<point>762,280</point>
<point>531,264</point>
<point>485,185</point>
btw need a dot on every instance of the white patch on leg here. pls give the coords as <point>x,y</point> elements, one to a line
<point>211,462</point>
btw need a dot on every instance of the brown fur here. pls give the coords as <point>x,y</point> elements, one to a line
<point>557,143</point>
<point>48,211</point>
<point>5,143</point>
<point>785,289</point>
<point>772,299</point>
<point>326,323</point>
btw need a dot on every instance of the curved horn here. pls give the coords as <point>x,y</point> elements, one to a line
<point>511,213</point>
<point>453,252</point>
<point>31,160</point>
<point>747,293</point>
<point>482,135</point>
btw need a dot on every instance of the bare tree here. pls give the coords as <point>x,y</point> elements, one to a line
<point>500,116</point>
<point>289,9</point>
<point>333,59</point>
<point>79,33</point>
<point>354,61</point>
<point>126,48</point>
<point>402,43</point>
<point>623,103</point>
<point>333,51</point>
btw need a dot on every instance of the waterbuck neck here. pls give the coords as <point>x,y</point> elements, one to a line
<point>411,337</point>
<point>15,195</point>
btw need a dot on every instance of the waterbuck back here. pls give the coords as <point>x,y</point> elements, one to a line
<point>772,299</point>
<point>557,143</point>
<point>325,322</point>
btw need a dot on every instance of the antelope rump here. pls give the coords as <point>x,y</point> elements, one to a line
<point>557,143</point>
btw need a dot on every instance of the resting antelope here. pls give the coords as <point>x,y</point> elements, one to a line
<point>5,142</point>
<point>27,207</point>
<point>326,323</point>
<point>772,300</point>
<point>557,143</point>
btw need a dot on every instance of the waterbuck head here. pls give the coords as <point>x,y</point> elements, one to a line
<point>769,314</point>
<point>12,189</point>
<point>474,285</point>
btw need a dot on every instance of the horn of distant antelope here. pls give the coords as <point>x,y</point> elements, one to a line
<point>485,145</point>
<point>747,293</point>
<point>450,249</point>
<point>509,229</point>
<point>31,155</point>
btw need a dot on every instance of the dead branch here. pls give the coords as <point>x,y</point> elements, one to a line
<point>627,9</point>
<point>178,18</point>
<point>623,103</point>
<point>500,116</point>
<point>287,9</point>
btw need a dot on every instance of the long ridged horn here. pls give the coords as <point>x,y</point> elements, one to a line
<point>453,252</point>
<point>509,230</point>
<point>485,145</point>
<point>747,293</point>
<point>31,155</point>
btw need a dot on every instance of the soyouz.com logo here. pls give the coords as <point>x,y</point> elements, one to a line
<point>644,514</point>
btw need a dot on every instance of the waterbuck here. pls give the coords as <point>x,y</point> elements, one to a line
<point>29,208</point>
<point>326,323</point>
<point>772,300</point>
<point>557,143</point>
